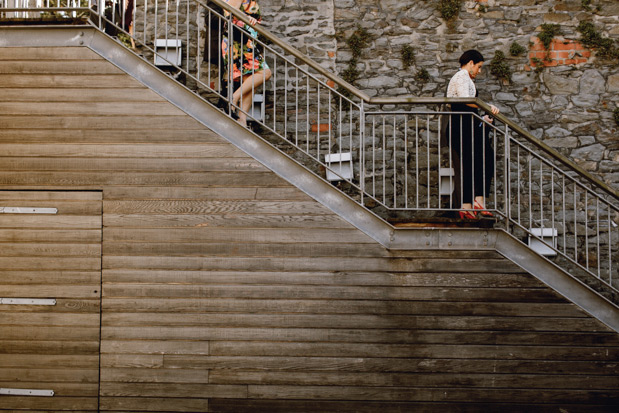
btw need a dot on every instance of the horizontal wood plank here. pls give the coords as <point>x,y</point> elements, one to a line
<point>68,80</point>
<point>127,165</point>
<point>107,134</point>
<point>58,53</point>
<point>171,290</point>
<point>335,278</point>
<point>78,94</point>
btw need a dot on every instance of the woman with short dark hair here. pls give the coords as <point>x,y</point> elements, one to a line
<point>470,149</point>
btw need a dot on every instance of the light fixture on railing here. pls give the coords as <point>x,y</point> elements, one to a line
<point>339,166</point>
<point>445,181</point>
<point>256,112</point>
<point>546,237</point>
<point>168,52</point>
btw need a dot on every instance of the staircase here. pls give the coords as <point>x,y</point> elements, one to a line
<point>253,284</point>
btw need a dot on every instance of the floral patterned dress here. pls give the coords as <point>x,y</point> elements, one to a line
<point>246,55</point>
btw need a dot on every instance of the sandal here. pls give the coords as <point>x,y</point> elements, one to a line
<point>468,215</point>
<point>483,211</point>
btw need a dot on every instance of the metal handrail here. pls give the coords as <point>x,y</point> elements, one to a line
<point>415,100</point>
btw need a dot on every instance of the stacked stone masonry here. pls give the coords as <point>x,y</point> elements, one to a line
<point>567,101</point>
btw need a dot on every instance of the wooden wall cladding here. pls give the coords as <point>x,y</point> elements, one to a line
<point>50,256</point>
<point>225,289</point>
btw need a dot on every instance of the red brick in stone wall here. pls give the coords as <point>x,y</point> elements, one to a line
<point>560,52</point>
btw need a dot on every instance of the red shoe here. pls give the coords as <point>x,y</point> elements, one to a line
<point>468,215</point>
<point>483,211</point>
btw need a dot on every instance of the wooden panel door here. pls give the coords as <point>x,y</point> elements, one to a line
<point>50,300</point>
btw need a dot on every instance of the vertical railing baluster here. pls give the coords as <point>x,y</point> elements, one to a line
<point>296,108</point>
<point>610,246</point>
<point>395,159</point>
<point>563,190</point>
<point>519,175</point>
<point>285,99</point>
<point>541,196</point>
<point>406,160</point>
<point>575,225</point>
<point>553,225</point>
<point>598,234</point>
<point>361,144</point>
<point>587,228</point>
<point>428,161</point>
<point>318,120</point>
<point>382,168</point>
<point>417,161</point>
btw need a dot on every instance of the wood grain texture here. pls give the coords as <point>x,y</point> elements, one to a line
<point>222,288</point>
<point>51,256</point>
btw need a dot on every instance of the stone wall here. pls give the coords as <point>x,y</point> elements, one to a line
<point>567,101</point>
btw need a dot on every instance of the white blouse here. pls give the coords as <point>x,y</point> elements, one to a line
<point>461,86</point>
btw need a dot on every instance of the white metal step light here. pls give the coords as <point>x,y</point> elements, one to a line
<point>339,166</point>
<point>168,52</point>
<point>257,108</point>
<point>548,237</point>
<point>26,392</point>
<point>445,181</point>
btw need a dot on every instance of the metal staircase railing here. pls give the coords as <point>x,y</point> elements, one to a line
<point>389,152</point>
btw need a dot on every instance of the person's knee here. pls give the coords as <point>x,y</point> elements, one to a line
<point>267,74</point>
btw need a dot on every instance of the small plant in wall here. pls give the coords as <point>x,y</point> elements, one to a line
<point>516,49</point>
<point>449,9</point>
<point>591,38</point>
<point>357,42</point>
<point>408,56</point>
<point>616,115</point>
<point>539,64</point>
<point>548,33</point>
<point>499,66</point>
<point>422,76</point>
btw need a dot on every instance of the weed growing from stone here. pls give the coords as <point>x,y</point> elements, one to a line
<point>422,76</point>
<point>586,4</point>
<point>616,115</point>
<point>357,41</point>
<point>539,64</point>
<point>449,9</point>
<point>516,49</point>
<point>408,56</point>
<point>549,32</point>
<point>591,38</point>
<point>499,66</point>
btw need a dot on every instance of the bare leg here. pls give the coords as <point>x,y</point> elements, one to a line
<point>248,86</point>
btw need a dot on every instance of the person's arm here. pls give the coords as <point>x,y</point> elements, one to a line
<point>237,4</point>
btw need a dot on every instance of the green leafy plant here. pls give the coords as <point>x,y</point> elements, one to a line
<point>449,9</point>
<point>499,66</point>
<point>549,32</point>
<point>422,76</point>
<point>516,49</point>
<point>591,38</point>
<point>358,41</point>
<point>539,64</point>
<point>586,4</point>
<point>616,116</point>
<point>482,8</point>
<point>408,56</point>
